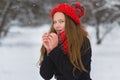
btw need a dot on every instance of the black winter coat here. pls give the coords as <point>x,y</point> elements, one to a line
<point>57,63</point>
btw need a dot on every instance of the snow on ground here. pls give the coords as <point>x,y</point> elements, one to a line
<point>20,51</point>
<point>105,59</point>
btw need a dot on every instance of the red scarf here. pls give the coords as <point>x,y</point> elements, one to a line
<point>63,42</point>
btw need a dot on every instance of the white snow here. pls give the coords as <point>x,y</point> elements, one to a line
<point>20,51</point>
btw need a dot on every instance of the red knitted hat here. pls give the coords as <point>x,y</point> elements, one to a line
<point>74,11</point>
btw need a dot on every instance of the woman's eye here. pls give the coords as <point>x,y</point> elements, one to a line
<point>61,21</point>
<point>54,22</point>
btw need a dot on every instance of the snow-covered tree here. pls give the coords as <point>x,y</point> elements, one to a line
<point>102,12</point>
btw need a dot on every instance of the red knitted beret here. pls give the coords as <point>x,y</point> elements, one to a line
<point>74,11</point>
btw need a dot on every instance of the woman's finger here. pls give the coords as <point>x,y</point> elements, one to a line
<point>54,36</point>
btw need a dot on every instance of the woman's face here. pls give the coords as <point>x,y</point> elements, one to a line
<point>59,22</point>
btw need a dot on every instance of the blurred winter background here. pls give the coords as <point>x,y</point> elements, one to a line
<point>22,23</point>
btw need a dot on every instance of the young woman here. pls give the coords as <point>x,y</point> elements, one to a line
<point>66,50</point>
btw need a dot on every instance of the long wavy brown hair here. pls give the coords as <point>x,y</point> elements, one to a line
<point>76,35</point>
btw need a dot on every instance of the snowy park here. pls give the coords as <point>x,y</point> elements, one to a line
<point>20,51</point>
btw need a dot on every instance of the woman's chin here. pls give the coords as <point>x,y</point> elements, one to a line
<point>59,32</point>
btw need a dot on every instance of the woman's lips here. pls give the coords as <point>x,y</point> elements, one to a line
<point>59,31</point>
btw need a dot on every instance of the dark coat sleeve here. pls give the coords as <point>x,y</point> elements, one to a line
<point>47,68</point>
<point>62,62</point>
<point>86,56</point>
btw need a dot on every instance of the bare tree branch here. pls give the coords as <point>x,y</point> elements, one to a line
<point>4,14</point>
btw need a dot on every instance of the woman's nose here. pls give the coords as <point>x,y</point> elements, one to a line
<point>57,24</point>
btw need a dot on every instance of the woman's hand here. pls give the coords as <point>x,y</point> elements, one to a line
<point>50,41</point>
